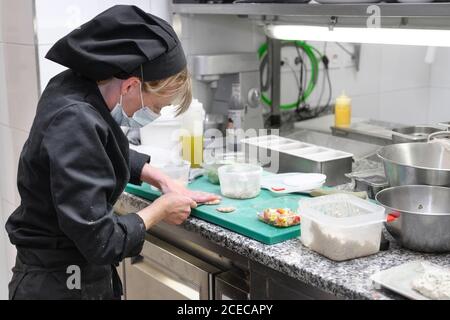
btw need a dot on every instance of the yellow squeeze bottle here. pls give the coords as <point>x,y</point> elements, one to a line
<point>192,134</point>
<point>193,150</point>
<point>343,111</point>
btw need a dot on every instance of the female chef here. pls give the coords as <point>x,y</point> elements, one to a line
<point>123,67</point>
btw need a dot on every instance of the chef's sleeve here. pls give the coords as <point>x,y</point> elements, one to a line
<point>82,177</point>
<point>137,163</point>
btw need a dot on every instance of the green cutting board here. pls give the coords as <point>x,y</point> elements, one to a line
<point>244,220</point>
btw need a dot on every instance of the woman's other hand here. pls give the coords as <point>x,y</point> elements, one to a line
<point>172,208</point>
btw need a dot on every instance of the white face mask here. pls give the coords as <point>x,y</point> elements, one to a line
<point>140,118</point>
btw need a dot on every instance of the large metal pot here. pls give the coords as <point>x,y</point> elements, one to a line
<point>419,216</point>
<point>416,164</point>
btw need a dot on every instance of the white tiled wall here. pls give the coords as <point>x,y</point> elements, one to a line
<point>439,105</point>
<point>7,251</point>
<point>17,22</point>
<point>52,27</point>
<point>18,100</point>
<point>440,87</point>
<point>4,275</point>
<point>394,83</point>
<point>19,83</point>
<point>20,78</point>
<point>409,106</point>
<point>403,67</point>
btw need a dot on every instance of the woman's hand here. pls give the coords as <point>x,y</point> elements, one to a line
<point>171,208</point>
<point>172,186</point>
<point>167,185</point>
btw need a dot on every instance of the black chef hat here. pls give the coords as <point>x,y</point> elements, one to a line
<point>117,43</point>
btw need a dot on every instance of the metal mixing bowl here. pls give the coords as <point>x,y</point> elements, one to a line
<point>420,216</point>
<point>416,164</point>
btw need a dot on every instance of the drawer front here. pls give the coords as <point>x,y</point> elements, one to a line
<point>165,272</point>
<point>146,281</point>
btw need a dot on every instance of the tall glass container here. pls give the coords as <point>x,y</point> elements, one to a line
<point>192,134</point>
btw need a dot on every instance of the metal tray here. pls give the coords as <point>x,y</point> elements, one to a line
<point>296,156</point>
<point>399,279</point>
<point>413,134</point>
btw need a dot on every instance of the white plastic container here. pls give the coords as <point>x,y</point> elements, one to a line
<point>159,156</point>
<point>177,170</point>
<point>341,227</point>
<point>212,164</point>
<point>240,181</point>
<point>164,132</point>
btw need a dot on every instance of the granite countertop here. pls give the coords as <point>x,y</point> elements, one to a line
<point>350,279</point>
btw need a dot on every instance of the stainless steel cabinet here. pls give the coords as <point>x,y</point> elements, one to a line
<point>268,284</point>
<point>164,272</point>
<point>229,286</point>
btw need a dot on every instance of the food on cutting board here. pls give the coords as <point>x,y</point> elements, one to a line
<point>213,203</point>
<point>213,176</point>
<point>226,209</point>
<point>281,217</point>
<point>434,283</point>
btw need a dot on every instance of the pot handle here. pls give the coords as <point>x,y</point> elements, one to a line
<point>445,125</point>
<point>394,215</point>
<point>440,134</point>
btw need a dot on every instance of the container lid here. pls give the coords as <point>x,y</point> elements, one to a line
<point>342,210</point>
<point>240,168</point>
<point>293,182</point>
<point>344,99</point>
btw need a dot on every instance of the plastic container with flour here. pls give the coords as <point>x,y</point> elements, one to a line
<point>341,227</point>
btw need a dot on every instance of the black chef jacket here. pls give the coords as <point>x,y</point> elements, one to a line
<point>73,168</point>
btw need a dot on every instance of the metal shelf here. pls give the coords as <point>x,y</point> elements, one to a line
<point>425,10</point>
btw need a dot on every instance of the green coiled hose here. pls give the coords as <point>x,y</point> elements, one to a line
<point>310,53</point>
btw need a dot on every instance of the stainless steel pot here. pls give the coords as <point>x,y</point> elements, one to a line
<point>416,164</point>
<point>419,216</point>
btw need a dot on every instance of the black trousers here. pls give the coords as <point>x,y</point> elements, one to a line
<point>33,282</point>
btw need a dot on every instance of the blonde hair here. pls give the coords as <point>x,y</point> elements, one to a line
<point>178,86</point>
